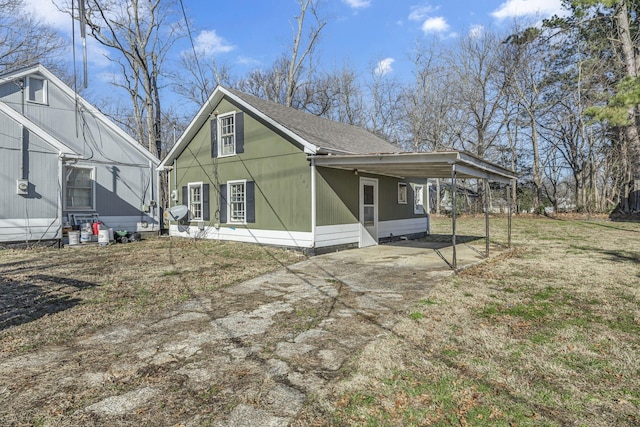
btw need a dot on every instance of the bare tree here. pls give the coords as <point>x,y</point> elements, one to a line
<point>140,33</point>
<point>24,39</point>
<point>480,90</point>
<point>284,82</point>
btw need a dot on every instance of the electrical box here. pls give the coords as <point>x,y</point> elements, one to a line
<point>22,187</point>
<point>174,195</point>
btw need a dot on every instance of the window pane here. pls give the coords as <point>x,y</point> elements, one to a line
<point>36,90</point>
<point>195,201</point>
<point>368,194</point>
<point>402,193</point>
<point>369,216</point>
<point>237,202</point>
<point>79,189</point>
<point>227,136</point>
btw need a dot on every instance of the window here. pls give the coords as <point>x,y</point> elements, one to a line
<point>402,193</point>
<point>79,188</point>
<point>237,202</point>
<point>227,135</point>
<point>195,201</point>
<point>37,90</point>
<point>418,200</point>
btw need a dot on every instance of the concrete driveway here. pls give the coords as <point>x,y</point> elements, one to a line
<point>252,352</point>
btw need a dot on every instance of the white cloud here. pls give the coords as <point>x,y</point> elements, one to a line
<point>208,43</point>
<point>476,31</point>
<point>517,8</point>
<point>436,24</point>
<point>419,13</point>
<point>248,61</point>
<point>49,14</point>
<point>357,4</point>
<point>384,66</point>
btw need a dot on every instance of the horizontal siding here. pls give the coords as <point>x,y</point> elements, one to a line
<point>403,227</point>
<point>333,235</point>
<point>266,237</point>
<point>20,230</point>
<point>130,223</point>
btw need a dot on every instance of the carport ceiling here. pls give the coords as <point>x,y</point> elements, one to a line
<point>436,164</point>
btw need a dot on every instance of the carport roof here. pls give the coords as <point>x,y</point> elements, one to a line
<point>435,164</point>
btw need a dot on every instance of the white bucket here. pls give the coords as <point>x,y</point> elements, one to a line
<point>103,237</point>
<point>74,237</point>
<point>85,236</point>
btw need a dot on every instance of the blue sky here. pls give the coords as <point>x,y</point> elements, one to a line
<point>367,34</point>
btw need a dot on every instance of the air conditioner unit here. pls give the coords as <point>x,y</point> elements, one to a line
<point>22,187</point>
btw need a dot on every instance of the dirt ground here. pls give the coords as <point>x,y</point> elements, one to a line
<point>246,353</point>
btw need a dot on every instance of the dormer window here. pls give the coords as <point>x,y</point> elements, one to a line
<point>36,90</point>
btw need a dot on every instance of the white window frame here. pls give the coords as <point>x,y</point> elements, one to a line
<point>192,204</point>
<point>68,169</point>
<point>222,134</point>
<point>402,200</point>
<point>230,202</point>
<point>45,90</point>
<point>418,199</point>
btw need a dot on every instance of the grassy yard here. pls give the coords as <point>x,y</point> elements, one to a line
<point>50,295</point>
<point>547,335</point>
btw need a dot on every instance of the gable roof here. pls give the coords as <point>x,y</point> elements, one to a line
<point>42,70</point>
<point>316,134</point>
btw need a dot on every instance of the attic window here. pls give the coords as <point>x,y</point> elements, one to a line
<point>227,135</point>
<point>37,90</point>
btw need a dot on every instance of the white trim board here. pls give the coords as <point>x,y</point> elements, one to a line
<point>299,239</point>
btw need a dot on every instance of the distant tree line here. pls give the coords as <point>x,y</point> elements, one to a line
<point>557,102</point>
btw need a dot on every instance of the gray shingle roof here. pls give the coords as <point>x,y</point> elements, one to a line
<point>325,134</point>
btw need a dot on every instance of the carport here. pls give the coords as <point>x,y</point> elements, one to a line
<point>436,164</point>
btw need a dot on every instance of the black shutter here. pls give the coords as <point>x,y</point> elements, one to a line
<point>251,201</point>
<point>185,196</point>
<point>223,203</point>
<point>205,203</point>
<point>214,138</point>
<point>239,132</point>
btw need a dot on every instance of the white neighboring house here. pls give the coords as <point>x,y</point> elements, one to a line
<point>62,160</point>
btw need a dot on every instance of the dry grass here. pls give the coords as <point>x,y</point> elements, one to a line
<point>69,292</point>
<point>547,335</point>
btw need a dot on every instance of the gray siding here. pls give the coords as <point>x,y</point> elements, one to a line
<point>125,177</point>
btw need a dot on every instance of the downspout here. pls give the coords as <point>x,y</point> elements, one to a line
<point>61,195</point>
<point>22,139</point>
<point>313,203</point>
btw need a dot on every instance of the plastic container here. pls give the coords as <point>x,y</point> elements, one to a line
<point>103,237</point>
<point>74,238</point>
<point>85,236</point>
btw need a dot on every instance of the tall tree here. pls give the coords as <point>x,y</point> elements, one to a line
<point>285,81</point>
<point>24,39</point>
<point>140,34</point>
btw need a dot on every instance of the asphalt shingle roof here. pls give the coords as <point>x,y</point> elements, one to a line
<point>325,134</point>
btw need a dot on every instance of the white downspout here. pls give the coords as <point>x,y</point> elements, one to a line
<point>313,202</point>
<point>61,195</point>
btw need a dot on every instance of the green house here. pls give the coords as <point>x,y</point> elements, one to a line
<point>246,170</point>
